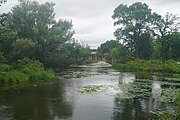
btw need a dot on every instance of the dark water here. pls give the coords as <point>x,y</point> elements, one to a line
<point>61,101</point>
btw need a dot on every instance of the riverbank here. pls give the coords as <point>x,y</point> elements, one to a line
<point>25,71</point>
<point>148,66</point>
<point>167,74</point>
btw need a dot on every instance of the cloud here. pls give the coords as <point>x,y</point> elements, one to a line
<point>92,18</point>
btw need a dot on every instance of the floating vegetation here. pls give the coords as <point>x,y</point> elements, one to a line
<point>90,89</point>
<point>143,75</point>
<point>125,94</point>
<point>67,75</point>
<point>173,80</point>
<point>169,95</point>
<point>170,84</point>
<point>165,115</point>
<point>138,89</point>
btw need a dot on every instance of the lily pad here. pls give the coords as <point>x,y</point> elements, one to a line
<point>90,89</point>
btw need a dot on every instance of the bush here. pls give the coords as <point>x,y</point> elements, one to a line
<point>25,70</point>
<point>148,66</point>
<point>5,67</point>
<point>143,75</point>
<point>13,77</point>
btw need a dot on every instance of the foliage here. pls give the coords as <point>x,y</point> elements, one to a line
<point>164,30</point>
<point>175,46</point>
<point>36,33</point>
<point>22,48</point>
<point>7,37</point>
<point>25,71</point>
<point>2,58</point>
<point>141,88</point>
<point>147,35</point>
<point>169,95</point>
<point>177,102</point>
<point>107,46</point>
<point>115,49</point>
<point>133,23</point>
<point>165,115</point>
<point>148,66</point>
<point>143,75</point>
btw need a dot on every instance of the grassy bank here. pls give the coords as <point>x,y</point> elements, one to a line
<point>169,74</point>
<point>148,66</point>
<point>25,70</point>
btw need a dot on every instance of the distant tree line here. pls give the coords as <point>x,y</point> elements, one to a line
<point>31,30</point>
<point>144,34</point>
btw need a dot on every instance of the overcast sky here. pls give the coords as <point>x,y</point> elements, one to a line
<point>92,18</point>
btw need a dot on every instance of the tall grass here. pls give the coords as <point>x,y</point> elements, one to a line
<point>25,70</point>
<point>149,66</point>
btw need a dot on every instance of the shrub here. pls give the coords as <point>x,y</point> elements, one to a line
<point>13,77</point>
<point>143,75</point>
<point>25,70</point>
<point>149,66</point>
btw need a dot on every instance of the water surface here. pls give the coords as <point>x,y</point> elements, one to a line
<point>62,101</point>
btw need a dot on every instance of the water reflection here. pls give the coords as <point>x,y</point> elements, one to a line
<point>125,78</point>
<point>156,89</point>
<point>61,101</point>
<point>41,103</point>
<point>129,110</point>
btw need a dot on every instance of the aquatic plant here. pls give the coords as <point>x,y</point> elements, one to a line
<point>143,75</point>
<point>90,89</point>
<point>166,115</point>
<point>169,95</point>
<point>139,89</point>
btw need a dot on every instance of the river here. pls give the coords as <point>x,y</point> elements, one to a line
<point>60,100</point>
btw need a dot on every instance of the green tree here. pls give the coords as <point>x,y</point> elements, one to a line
<point>145,46</point>
<point>7,37</point>
<point>23,48</point>
<point>2,58</point>
<point>133,21</point>
<point>174,40</point>
<point>36,22</point>
<point>164,29</point>
<point>32,21</point>
<point>107,46</point>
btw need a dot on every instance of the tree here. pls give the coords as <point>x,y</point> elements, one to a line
<point>107,46</point>
<point>32,21</point>
<point>175,46</point>
<point>164,29</point>
<point>145,46</point>
<point>133,21</point>
<point>2,58</point>
<point>36,22</point>
<point>23,48</point>
<point>7,37</point>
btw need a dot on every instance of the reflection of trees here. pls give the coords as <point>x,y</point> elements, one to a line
<point>41,103</point>
<point>137,109</point>
<point>125,78</point>
<point>102,70</point>
<point>125,109</point>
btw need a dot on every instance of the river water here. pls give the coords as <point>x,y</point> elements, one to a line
<point>61,100</point>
